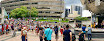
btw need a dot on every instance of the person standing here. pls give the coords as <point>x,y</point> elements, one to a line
<point>32,28</point>
<point>84,29</point>
<point>37,30</point>
<point>14,33</point>
<point>67,34</point>
<point>7,30</point>
<point>61,30</point>
<point>89,32</point>
<point>24,34</point>
<point>41,34</point>
<point>56,32</point>
<point>2,29</point>
<point>12,26</point>
<point>48,33</point>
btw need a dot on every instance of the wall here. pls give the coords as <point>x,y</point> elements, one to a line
<point>75,14</point>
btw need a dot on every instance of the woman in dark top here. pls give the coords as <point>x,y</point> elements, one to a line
<point>67,35</point>
<point>41,34</point>
<point>12,26</point>
<point>56,32</point>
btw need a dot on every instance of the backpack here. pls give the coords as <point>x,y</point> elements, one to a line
<point>73,37</point>
<point>81,36</point>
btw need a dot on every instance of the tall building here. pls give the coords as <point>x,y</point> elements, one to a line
<point>46,8</point>
<point>66,12</point>
<point>76,8</point>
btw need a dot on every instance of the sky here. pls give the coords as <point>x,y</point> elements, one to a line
<point>68,3</point>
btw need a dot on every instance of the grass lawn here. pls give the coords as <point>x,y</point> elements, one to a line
<point>48,20</point>
<point>52,20</point>
<point>64,21</point>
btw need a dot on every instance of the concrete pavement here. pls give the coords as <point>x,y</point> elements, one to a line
<point>33,37</point>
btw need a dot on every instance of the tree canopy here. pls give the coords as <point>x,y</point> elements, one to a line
<point>81,18</point>
<point>23,12</point>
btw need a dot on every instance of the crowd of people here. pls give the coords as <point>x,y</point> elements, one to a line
<point>43,29</point>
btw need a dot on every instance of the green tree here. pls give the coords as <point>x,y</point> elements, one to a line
<point>23,12</point>
<point>81,18</point>
<point>33,12</point>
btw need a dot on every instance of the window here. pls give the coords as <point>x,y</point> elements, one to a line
<point>11,5</point>
<point>15,5</point>
<point>58,12</point>
<point>10,2</point>
<point>41,12</point>
<point>3,3</point>
<point>24,4</point>
<point>34,3</point>
<point>43,8</point>
<point>22,0</point>
<point>47,12</point>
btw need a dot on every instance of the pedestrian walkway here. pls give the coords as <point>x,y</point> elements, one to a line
<point>93,29</point>
<point>93,39</point>
<point>32,37</point>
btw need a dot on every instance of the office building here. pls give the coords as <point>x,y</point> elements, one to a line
<point>76,8</point>
<point>46,8</point>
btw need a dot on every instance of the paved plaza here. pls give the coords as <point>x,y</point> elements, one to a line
<point>33,37</point>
